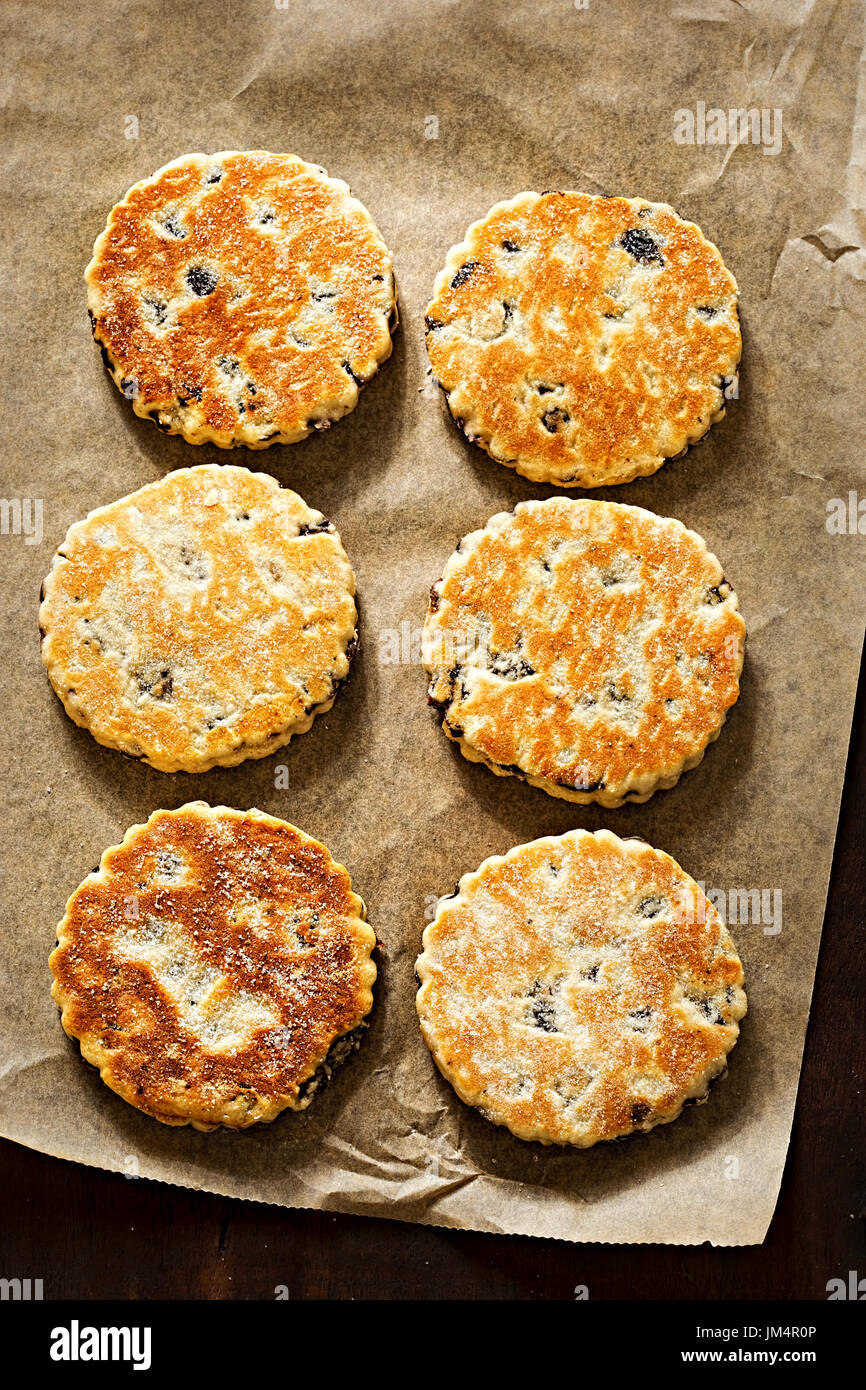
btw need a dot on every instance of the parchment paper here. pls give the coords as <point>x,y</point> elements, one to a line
<point>433,111</point>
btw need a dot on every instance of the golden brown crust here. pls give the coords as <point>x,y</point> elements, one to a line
<point>205,619</point>
<point>580,988</point>
<point>584,340</point>
<point>241,298</point>
<point>592,648</point>
<point>210,963</point>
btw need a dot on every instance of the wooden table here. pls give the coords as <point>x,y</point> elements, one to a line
<point>89,1234</point>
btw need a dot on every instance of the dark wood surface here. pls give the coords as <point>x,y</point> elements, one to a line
<point>89,1234</point>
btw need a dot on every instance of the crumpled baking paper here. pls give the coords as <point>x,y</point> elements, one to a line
<point>432,112</point>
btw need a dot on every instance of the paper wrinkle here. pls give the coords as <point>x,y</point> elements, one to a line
<point>771,615</point>
<point>523,99</point>
<point>12,1068</point>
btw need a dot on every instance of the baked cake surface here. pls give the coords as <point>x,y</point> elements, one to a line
<point>205,619</point>
<point>584,340</point>
<point>579,988</point>
<point>590,648</point>
<point>241,298</point>
<point>215,967</point>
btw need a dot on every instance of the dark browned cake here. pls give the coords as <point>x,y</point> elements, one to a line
<point>215,966</point>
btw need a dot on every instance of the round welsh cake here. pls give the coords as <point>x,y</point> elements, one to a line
<point>579,989</point>
<point>205,619</point>
<point>582,340</point>
<point>590,648</point>
<point>241,298</point>
<point>215,967</point>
